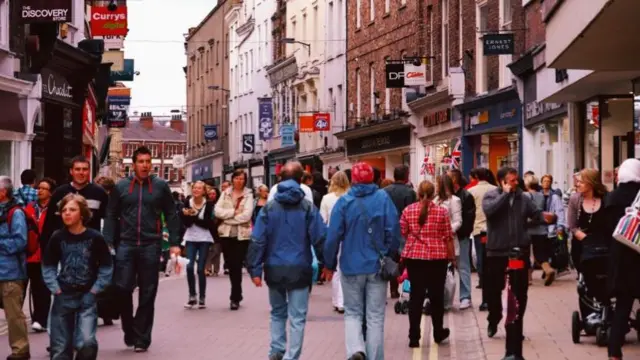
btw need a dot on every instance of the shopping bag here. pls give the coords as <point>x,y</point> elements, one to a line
<point>449,288</point>
<point>627,231</point>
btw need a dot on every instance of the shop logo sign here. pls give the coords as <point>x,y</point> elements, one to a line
<point>56,87</point>
<point>37,11</point>
<point>508,114</point>
<point>437,118</point>
<point>498,44</point>
<point>109,23</point>
<point>248,143</point>
<point>321,122</point>
<point>410,71</point>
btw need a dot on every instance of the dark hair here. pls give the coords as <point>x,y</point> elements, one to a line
<point>294,172</point>
<point>142,150</point>
<point>175,195</point>
<point>226,181</point>
<point>50,181</point>
<point>106,182</point>
<point>426,190</point>
<point>377,176</point>
<point>306,176</point>
<point>474,173</point>
<point>401,173</point>
<point>240,172</point>
<point>491,178</point>
<point>529,173</point>
<point>79,159</point>
<point>348,173</point>
<point>28,177</point>
<point>503,172</point>
<point>456,176</point>
<point>445,187</point>
<point>217,191</point>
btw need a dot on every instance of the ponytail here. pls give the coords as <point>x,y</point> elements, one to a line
<point>424,212</point>
<point>426,191</point>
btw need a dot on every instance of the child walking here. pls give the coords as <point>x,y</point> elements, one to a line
<point>85,270</point>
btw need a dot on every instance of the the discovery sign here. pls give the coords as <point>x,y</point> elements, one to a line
<point>109,23</point>
<point>39,11</point>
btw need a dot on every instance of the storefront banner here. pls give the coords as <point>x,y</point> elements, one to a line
<point>120,100</point>
<point>499,115</point>
<point>287,131</point>
<point>38,11</point>
<point>437,118</point>
<point>202,170</point>
<point>210,132</point>
<point>498,44</point>
<point>55,86</point>
<point>105,22</point>
<point>321,122</point>
<point>378,142</point>
<point>306,123</point>
<point>118,111</point>
<point>265,113</point>
<point>119,91</point>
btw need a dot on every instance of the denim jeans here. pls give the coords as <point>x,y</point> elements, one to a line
<point>365,297</point>
<point>464,269</point>
<point>137,265</point>
<point>292,305</point>
<point>201,250</point>
<point>74,313</point>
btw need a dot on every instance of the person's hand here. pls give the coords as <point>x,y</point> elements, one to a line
<point>175,250</point>
<point>257,281</point>
<point>58,292</point>
<point>454,263</point>
<point>328,274</point>
<point>549,217</point>
<point>186,211</point>
<point>506,187</point>
<point>579,235</point>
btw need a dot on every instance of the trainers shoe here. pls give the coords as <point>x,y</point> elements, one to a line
<point>465,304</point>
<point>201,304</point>
<point>358,356</point>
<point>441,336</point>
<point>191,303</point>
<point>140,349</point>
<point>37,327</point>
<point>234,305</point>
<point>276,356</point>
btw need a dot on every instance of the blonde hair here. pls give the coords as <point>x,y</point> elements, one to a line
<point>85,212</point>
<point>385,183</point>
<point>531,182</point>
<point>592,178</point>
<point>339,183</point>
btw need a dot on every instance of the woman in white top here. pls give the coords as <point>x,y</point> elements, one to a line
<point>198,221</point>
<point>338,186</point>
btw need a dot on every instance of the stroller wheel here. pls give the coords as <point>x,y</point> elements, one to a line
<point>602,337</point>
<point>397,307</point>
<point>576,327</point>
<point>405,307</point>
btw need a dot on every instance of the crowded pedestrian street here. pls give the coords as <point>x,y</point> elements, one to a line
<point>216,333</point>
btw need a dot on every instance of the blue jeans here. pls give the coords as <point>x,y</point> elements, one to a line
<point>74,313</point>
<point>464,269</point>
<point>292,305</point>
<point>201,250</point>
<point>365,297</point>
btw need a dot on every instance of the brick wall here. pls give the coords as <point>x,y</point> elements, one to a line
<point>279,31</point>
<point>535,34</point>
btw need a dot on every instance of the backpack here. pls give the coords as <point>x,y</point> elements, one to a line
<point>32,225</point>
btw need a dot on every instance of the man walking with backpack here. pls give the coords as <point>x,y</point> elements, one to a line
<point>13,269</point>
<point>284,233</point>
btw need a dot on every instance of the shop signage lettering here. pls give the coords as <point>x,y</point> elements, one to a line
<point>406,72</point>
<point>55,86</point>
<point>375,142</point>
<point>437,118</point>
<point>508,114</point>
<point>284,73</point>
<point>35,11</point>
<point>498,44</point>
<point>105,22</point>
<point>536,108</point>
<point>378,142</point>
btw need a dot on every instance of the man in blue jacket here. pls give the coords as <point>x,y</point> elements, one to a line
<point>283,234</point>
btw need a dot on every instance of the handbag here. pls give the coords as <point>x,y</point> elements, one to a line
<point>389,268</point>
<point>627,232</point>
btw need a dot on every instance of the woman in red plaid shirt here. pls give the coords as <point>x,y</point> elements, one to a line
<point>428,249</point>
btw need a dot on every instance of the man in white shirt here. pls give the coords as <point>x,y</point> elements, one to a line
<point>307,192</point>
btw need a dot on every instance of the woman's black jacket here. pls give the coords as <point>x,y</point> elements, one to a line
<point>207,222</point>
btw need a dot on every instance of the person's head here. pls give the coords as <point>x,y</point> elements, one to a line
<point>491,177</point>
<point>292,170</point>
<point>529,173</point>
<point>589,182</point>
<point>45,188</point>
<point>332,171</point>
<point>426,193</point>
<point>509,176</point>
<point>629,171</point>
<point>576,179</point>
<point>307,178</point>
<point>362,173</point>
<point>175,195</point>
<point>377,176</point>
<point>198,189</point>
<point>239,179</point>
<point>386,182</point>
<point>457,178</point>
<point>142,162</point>
<point>444,187</point>
<point>74,210</point>
<point>546,181</point>
<point>213,194</point>
<point>339,183</point>
<point>225,185</point>
<point>531,182</point>
<point>473,174</point>
<point>263,191</point>
<point>106,183</point>
<point>401,173</point>
<point>28,177</point>
<point>80,170</point>
<point>6,189</point>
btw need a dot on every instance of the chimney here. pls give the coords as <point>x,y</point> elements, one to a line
<point>146,120</point>
<point>176,123</point>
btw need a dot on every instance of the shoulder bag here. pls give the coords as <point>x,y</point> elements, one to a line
<point>389,268</point>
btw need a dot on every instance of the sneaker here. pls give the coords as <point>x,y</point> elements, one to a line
<point>140,349</point>
<point>276,356</point>
<point>234,305</point>
<point>37,327</point>
<point>201,304</point>
<point>191,303</point>
<point>441,336</point>
<point>465,304</point>
<point>358,356</point>
<point>484,307</point>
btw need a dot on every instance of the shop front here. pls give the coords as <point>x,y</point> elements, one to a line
<point>256,172</point>
<point>440,136</point>
<point>202,170</point>
<point>334,161</point>
<point>492,131</point>
<point>275,159</point>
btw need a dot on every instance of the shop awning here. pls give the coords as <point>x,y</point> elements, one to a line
<point>588,84</point>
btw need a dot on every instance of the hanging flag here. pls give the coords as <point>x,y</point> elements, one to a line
<point>425,161</point>
<point>456,155</point>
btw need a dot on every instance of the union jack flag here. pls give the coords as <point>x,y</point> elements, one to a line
<point>456,155</point>
<point>425,163</point>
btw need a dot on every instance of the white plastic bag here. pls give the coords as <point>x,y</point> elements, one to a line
<point>449,288</point>
<point>176,265</point>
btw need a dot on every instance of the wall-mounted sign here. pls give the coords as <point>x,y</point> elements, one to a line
<point>119,91</point>
<point>210,132</point>
<point>536,108</point>
<point>437,118</point>
<point>109,23</point>
<point>321,122</point>
<point>248,143</point>
<point>306,123</point>
<point>201,170</point>
<point>378,142</point>
<point>508,114</point>
<point>287,131</point>
<point>283,72</point>
<point>116,57</point>
<point>498,44</point>
<point>265,113</point>
<point>38,11</point>
<point>112,42</point>
<point>126,74</point>
<point>480,117</point>
<point>406,72</point>
<point>178,161</point>
<point>55,86</point>
<point>118,111</point>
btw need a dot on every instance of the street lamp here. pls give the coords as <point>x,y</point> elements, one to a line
<point>294,41</point>
<point>217,87</point>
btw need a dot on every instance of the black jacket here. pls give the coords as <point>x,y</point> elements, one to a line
<point>208,222</point>
<point>468,213</point>
<point>402,195</point>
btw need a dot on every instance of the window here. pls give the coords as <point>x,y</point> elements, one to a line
<point>293,28</point>
<point>166,173</point>
<point>304,29</point>
<point>259,60</point>
<point>372,81</point>
<point>241,60</point>
<point>176,175</point>
<point>387,93</point>
<point>217,52</point>
<point>226,46</point>
<point>207,60</point>
<point>127,170</point>
<point>358,96</point>
<point>248,65</point>
<point>4,19</point>
<point>331,41</point>
<point>506,11</point>
<point>314,29</point>
<point>372,10</point>
<point>387,6</point>
<point>156,170</point>
<point>339,26</point>
<point>358,6</point>
<point>482,75</point>
<point>432,47</point>
<point>445,38</point>
<point>232,88</point>
<point>265,58</point>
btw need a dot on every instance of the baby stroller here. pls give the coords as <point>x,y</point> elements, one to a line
<point>594,317</point>
<point>402,305</point>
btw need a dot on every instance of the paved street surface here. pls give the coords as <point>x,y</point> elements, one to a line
<point>217,333</point>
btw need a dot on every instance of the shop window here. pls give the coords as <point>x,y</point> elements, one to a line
<point>617,138</point>
<point>166,173</point>
<point>156,170</point>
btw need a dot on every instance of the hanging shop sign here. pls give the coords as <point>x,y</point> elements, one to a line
<point>117,115</point>
<point>437,118</point>
<point>126,74</point>
<point>498,44</point>
<point>105,22</point>
<point>410,71</point>
<point>116,57</point>
<point>39,11</point>
<point>210,132</point>
<point>55,86</point>
<point>378,142</point>
<point>248,143</point>
<point>321,122</point>
<point>112,42</point>
<point>306,123</point>
<point>287,132</point>
<point>201,170</point>
<point>265,113</point>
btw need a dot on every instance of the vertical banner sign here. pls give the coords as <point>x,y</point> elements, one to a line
<point>498,44</point>
<point>321,122</point>
<point>248,143</point>
<point>105,22</point>
<point>118,111</point>
<point>287,132</point>
<point>265,113</point>
<point>210,132</point>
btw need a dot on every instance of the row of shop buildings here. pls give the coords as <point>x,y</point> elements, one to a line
<point>436,85</point>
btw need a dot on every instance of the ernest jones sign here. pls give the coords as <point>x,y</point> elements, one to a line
<point>36,11</point>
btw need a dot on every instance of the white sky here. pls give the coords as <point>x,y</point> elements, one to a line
<point>155,41</point>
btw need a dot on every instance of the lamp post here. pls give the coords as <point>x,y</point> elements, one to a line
<point>294,41</point>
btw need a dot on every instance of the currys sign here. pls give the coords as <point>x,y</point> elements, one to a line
<point>39,11</point>
<point>105,22</point>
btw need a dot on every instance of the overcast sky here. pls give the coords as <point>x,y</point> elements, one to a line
<point>155,42</point>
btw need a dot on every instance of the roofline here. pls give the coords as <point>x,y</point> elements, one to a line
<point>206,18</point>
<point>154,140</point>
